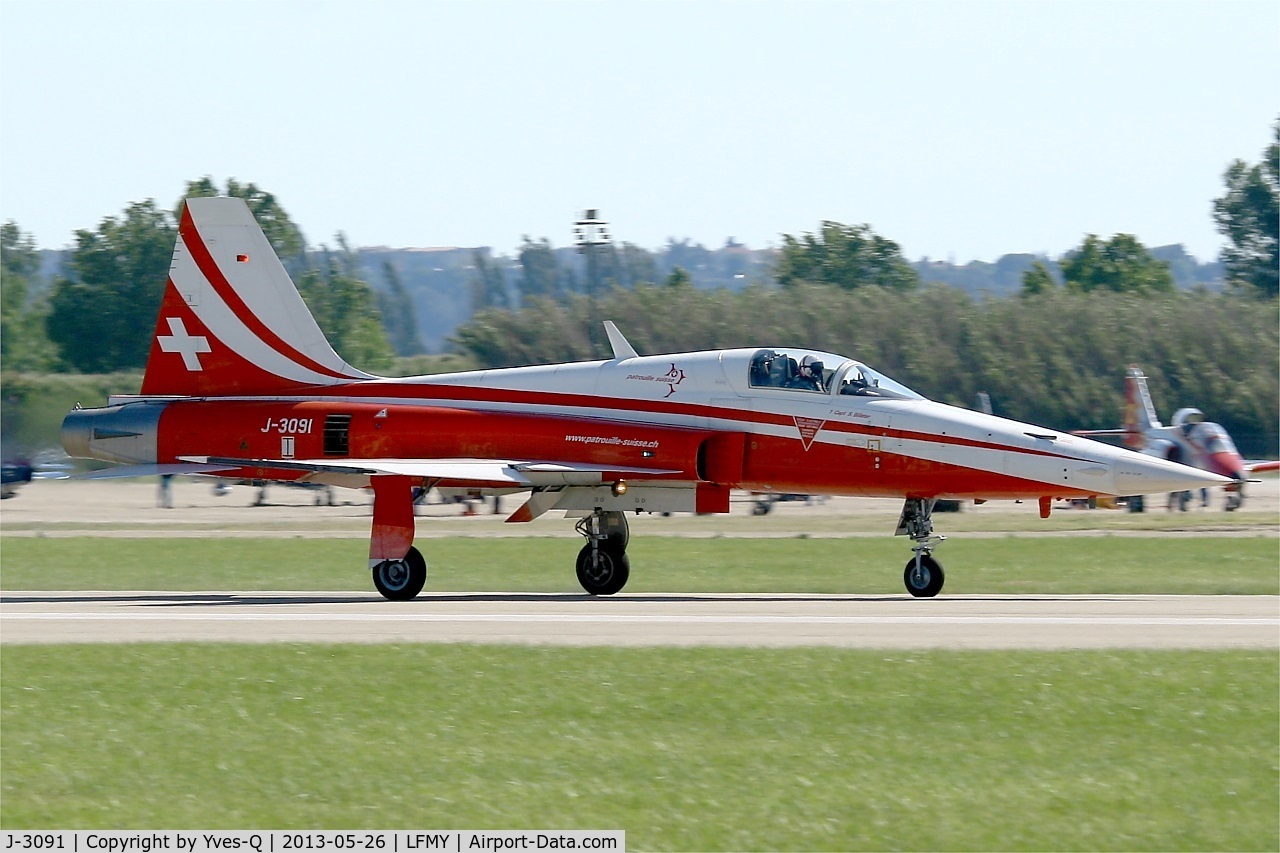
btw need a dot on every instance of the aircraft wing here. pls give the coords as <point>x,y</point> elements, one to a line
<point>571,486</point>
<point>477,473</point>
<point>1256,466</point>
<point>184,467</point>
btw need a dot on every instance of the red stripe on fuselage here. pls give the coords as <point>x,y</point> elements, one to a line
<point>256,429</point>
<point>601,407</point>
<point>209,268</point>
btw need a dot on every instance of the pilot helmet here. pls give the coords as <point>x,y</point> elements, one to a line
<point>811,365</point>
<point>1187,418</point>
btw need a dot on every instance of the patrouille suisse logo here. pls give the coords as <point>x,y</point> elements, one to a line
<point>674,377</point>
<point>809,428</point>
<point>671,378</point>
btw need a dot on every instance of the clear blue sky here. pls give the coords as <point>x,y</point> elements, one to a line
<point>961,130</point>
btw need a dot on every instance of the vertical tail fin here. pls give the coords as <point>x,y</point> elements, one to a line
<point>232,321</point>
<point>1139,412</point>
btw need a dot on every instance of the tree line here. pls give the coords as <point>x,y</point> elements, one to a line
<point>1055,358</point>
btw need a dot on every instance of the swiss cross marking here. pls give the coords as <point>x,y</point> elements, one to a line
<point>187,345</point>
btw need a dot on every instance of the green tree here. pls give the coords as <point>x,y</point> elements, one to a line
<point>346,310</point>
<point>636,266</point>
<point>679,278</point>
<point>1248,215</point>
<point>1038,279</point>
<point>540,273</point>
<point>23,342</point>
<point>397,314</point>
<point>847,256</point>
<point>102,313</point>
<point>1120,264</point>
<point>489,284</point>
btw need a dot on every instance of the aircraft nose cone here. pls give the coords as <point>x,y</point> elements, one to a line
<point>1145,475</point>
<point>1227,464</point>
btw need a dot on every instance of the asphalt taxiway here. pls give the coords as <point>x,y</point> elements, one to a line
<point>768,620</point>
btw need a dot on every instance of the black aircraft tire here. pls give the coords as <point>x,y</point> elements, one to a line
<point>930,580</point>
<point>602,571</point>
<point>401,580</point>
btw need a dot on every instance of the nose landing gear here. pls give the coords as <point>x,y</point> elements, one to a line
<point>923,575</point>
<point>603,567</point>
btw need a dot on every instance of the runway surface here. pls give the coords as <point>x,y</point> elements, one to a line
<point>875,622</point>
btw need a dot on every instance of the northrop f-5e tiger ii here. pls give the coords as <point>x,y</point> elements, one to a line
<point>241,383</point>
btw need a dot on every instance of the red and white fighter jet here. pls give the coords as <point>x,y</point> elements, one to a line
<point>241,383</point>
<point>1190,439</point>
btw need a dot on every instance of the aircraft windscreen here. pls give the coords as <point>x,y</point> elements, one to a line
<point>860,380</point>
<point>1212,438</point>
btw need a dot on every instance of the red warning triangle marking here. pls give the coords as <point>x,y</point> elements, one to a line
<point>809,428</point>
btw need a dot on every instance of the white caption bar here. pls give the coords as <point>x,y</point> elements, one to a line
<point>279,841</point>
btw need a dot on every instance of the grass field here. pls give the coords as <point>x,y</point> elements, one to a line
<point>685,749</point>
<point>1049,565</point>
<point>706,749</point>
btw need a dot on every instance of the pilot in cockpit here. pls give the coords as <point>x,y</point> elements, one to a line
<point>809,376</point>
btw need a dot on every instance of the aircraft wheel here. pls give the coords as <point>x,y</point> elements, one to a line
<point>401,580</point>
<point>925,582</point>
<point>602,571</point>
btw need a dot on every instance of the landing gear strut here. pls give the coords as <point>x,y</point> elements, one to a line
<point>923,575</point>
<point>603,567</point>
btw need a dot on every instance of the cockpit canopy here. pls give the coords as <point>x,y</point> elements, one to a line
<point>1210,437</point>
<point>822,373</point>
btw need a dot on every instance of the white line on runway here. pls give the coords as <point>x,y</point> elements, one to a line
<point>1186,621</point>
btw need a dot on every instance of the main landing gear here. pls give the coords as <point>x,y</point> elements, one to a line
<point>401,580</point>
<point>923,575</point>
<point>603,567</point>
<point>399,571</point>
